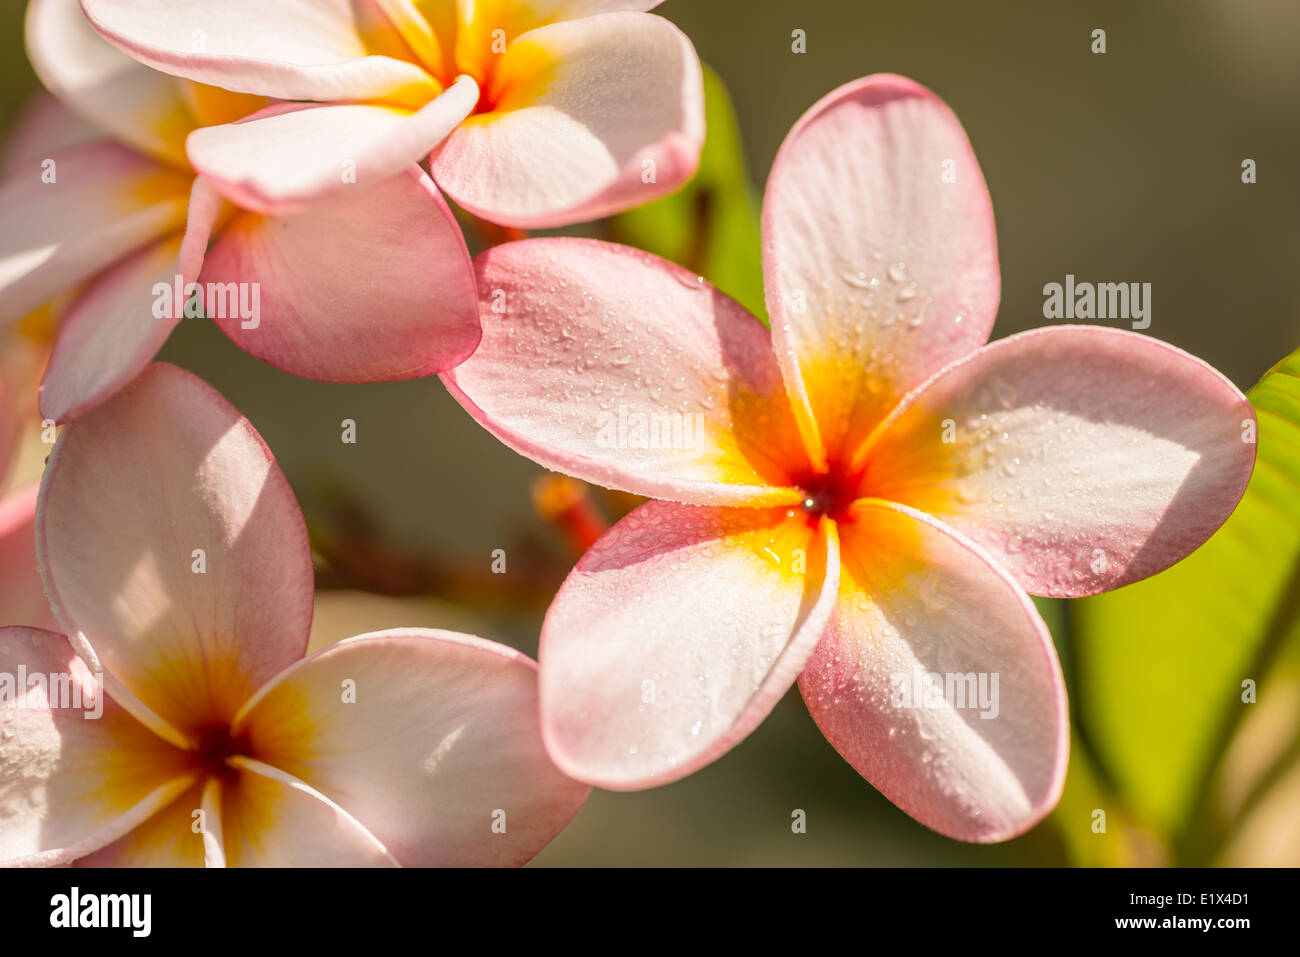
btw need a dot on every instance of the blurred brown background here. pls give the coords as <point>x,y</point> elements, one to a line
<point>1117,167</point>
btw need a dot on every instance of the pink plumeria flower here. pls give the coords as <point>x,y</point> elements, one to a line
<point>177,562</point>
<point>372,285</point>
<point>537,112</point>
<point>861,499</point>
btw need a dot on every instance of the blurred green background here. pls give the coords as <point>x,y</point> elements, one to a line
<point>1117,167</point>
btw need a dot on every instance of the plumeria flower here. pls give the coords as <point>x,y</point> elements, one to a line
<point>861,500</point>
<point>537,112</point>
<point>372,285</point>
<point>177,562</point>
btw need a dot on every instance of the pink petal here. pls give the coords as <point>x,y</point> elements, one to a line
<point>289,155</point>
<point>79,771</point>
<point>579,111</point>
<point>131,491</point>
<point>105,339</point>
<point>270,819</point>
<point>290,49</point>
<point>43,126</point>
<point>22,599</point>
<point>587,346</point>
<point>878,271</point>
<point>137,105</point>
<point>917,600</point>
<point>112,331</point>
<point>1084,458</point>
<point>106,200</point>
<point>676,634</point>
<point>439,742</point>
<point>369,286</point>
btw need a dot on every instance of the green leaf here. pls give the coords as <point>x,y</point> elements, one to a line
<point>711,225</point>
<point>1093,824</point>
<point>1161,663</point>
<point>1111,838</point>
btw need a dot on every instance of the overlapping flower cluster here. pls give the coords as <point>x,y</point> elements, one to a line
<point>869,490</point>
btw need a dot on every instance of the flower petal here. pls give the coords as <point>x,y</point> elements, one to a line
<point>368,286</point>
<point>903,683</point>
<point>676,634</point>
<point>104,201</point>
<point>588,117</point>
<point>879,253</point>
<point>172,548</point>
<point>43,126</point>
<point>139,106</point>
<point>622,369</point>
<point>428,738</point>
<point>429,29</point>
<point>477,20</point>
<point>170,837</point>
<point>79,771</point>
<point>1084,458</point>
<point>290,154</point>
<point>290,49</point>
<point>22,599</point>
<point>211,105</point>
<point>450,36</point>
<point>213,829</point>
<point>112,331</point>
<point>270,819</point>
